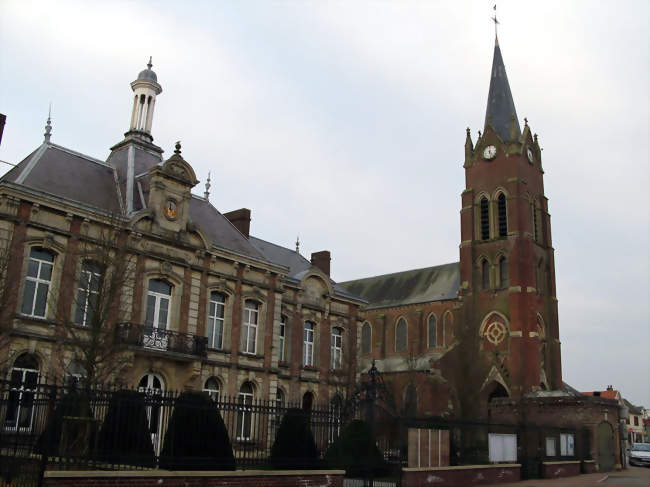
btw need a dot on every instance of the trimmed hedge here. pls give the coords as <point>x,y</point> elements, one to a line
<point>197,438</point>
<point>294,446</point>
<point>356,452</point>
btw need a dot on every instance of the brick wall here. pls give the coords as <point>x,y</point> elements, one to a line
<point>461,476</point>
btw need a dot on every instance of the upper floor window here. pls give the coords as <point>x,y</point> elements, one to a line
<point>88,294</point>
<point>37,282</point>
<point>503,272</point>
<point>158,299</point>
<point>400,335</point>
<point>431,331</point>
<point>485,219</point>
<point>283,335</point>
<point>308,345</point>
<point>215,320</point>
<point>213,388</point>
<point>249,330</point>
<point>503,218</point>
<point>366,337</point>
<point>485,274</point>
<point>337,348</point>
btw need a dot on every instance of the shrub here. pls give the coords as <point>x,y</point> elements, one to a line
<point>356,452</point>
<point>124,437</point>
<point>197,438</point>
<point>294,446</point>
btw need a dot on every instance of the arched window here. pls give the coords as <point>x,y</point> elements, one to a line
<point>432,331</point>
<point>37,282</point>
<point>153,386</point>
<point>90,280</point>
<point>485,274</point>
<point>307,401</point>
<point>503,272</point>
<point>308,345</point>
<point>400,335</point>
<point>411,401</point>
<point>75,372</point>
<point>336,351</point>
<point>279,397</point>
<point>366,338</point>
<point>502,216</point>
<point>249,328</point>
<point>19,414</point>
<point>215,319</point>
<point>213,388</point>
<point>158,299</point>
<point>485,219</point>
<point>244,411</point>
<point>282,342</point>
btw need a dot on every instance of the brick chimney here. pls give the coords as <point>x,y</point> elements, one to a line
<point>322,260</point>
<point>241,219</point>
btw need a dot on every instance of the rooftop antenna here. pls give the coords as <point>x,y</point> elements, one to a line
<point>207,187</point>
<point>48,124</point>
<point>496,22</point>
<point>297,244</point>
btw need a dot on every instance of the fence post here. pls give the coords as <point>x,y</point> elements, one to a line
<point>49,413</point>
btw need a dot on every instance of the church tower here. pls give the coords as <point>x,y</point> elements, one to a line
<point>507,270</point>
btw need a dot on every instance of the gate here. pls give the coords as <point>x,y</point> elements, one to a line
<point>606,458</point>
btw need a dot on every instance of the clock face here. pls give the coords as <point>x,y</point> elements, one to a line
<point>529,153</point>
<point>171,210</point>
<point>490,152</point>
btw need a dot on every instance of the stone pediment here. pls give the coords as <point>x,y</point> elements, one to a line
<point>177,168</point>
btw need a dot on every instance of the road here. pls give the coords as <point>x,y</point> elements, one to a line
<point>630,477</point>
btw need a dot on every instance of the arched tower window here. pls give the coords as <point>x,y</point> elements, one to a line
<point>485,274</point>
<point>502,217</point>
<point>503,272</point>
<point>485,219</point>
<point>366,338</point>
<point>400,335</point>
<point>431,331</point>
<point>536,234</point>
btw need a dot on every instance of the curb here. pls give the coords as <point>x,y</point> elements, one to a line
<point>603,479</point>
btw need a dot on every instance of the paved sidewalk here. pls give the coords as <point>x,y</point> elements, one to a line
<point>630,477</point>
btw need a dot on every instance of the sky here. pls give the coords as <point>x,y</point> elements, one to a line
<point>343,123</point>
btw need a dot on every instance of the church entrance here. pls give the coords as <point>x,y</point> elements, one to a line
<point>606,444</point>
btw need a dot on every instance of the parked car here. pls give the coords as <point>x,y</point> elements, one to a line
<point>639,454</point>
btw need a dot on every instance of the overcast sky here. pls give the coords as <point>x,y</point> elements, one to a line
<point>344,123</point>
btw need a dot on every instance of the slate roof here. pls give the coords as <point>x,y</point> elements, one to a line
<point>632,408</point>
<point>500,105</point>
<point>436,283</point>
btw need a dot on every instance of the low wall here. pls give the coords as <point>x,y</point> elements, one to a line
<point>462,475</point>
<point>589,466</point>
<point>165,478</point>
<point>567,468</point>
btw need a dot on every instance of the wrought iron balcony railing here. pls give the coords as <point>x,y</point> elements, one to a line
<point>163,340</point>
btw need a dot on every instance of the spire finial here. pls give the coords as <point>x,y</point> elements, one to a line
<point>177,150</point>
<point>297,244</point>
<point>48,124</point>
<point>207,187</point>
<point>149,64</point>
<point>496,22</point>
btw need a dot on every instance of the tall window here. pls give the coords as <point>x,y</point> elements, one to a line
<point>249,331</point>
<point>244,412</point>
<point>535,223</point>
<point>308,345</point>
<point>400,335</point>
<point>337,348</point>
<point>503,218</point>
<point>37,282</point>
<point>432,324</point>
<point>283,334</point>
<point>485,274</point>
<point>503,272</point>
<point>485,219</point>
<point>153,386</point>
<point>88,294</point>
<point>20,402</point>
<point>366,337</point>
<point>215,320</point>
<point>213,388</point>
<point>158,298</point>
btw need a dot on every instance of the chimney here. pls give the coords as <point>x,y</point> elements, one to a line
<point>610,388</point>
<point>241,219</point>
<point>322,260</point>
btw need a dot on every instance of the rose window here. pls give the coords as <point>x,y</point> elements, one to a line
<point>495,332</point>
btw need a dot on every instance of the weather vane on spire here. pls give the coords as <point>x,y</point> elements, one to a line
<point>149,65</point>
<point>48,125</point>
<point>496,22</point>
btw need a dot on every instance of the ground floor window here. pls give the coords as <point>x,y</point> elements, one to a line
<point>245,412</point>
<point>566,444</point>
<point>20,403</point>
<point>503,448</point>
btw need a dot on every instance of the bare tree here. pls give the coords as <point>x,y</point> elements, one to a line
<point>5,319</point>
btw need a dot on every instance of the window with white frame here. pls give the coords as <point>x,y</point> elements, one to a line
<point>502,448</point>
<point>550,446</point>
<point>337,348</point>
<point>213,388</point>
<point>308,345</point>
<point>19,414</point>
<point>282,342</point>
<point>215,320</point>
<point>37,282</point>
<point>158,299</point>
<point>90,281</point>
<point>244,412</point>
<point>567,444</point>
<point>153,386</point>
<point>249,329</point>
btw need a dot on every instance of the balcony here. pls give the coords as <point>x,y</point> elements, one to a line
<point>162,340</point>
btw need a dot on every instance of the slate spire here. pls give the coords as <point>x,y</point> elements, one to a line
<point>500,106</point>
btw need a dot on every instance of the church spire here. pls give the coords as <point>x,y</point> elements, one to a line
<point>500,105</point>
